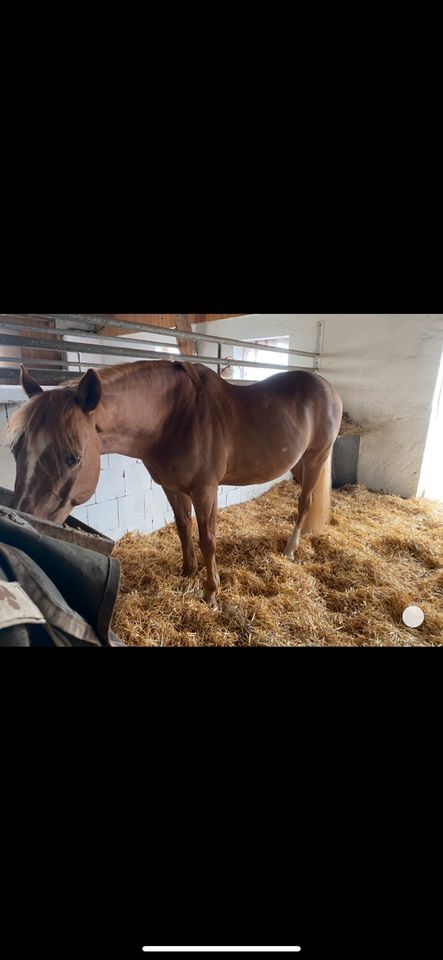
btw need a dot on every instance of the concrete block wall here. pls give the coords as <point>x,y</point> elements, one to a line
<point>126,497</point>
<point>7,463</point>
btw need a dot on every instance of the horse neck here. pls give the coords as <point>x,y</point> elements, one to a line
<point>134,408</point>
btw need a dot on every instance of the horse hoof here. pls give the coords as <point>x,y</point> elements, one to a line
<point>289,554</point>
<point>211,601</point>
<point>190,572</point>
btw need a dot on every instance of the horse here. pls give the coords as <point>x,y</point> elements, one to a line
<point>192,430</point>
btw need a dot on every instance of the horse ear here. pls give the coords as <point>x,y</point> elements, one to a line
<point>30,386</point>
<point>89,391</point>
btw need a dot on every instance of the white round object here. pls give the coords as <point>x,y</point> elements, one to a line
<point>413,616</point>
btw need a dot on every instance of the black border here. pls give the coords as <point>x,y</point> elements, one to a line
<point>168,790</point>
<point>170,794</point>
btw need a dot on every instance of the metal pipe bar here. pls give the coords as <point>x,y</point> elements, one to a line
<point>37,361</point>
<point>72,365</point>
<point>11,373</point>
<point>167,331</point>
<point>319,344</point>
<point>93,337</point>
<point>97,349</point>
<point>31,362</point>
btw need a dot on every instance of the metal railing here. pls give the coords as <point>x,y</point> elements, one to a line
<point>56,339</point>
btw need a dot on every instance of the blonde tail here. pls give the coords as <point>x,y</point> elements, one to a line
<point>320,512</point>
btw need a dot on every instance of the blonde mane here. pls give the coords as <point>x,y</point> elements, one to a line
<point>117,371</point>
<point>58,411</point>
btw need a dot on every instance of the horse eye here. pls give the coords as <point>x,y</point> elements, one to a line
<point>72,459</point>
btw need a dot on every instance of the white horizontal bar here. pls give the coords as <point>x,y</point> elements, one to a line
<point>149,328</point>
<point>221,949</point>
<point>122,351</point>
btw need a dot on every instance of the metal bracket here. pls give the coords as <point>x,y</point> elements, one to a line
<point>319,344</point>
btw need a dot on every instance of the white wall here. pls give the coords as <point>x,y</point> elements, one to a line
<point>7,463</point>
<point>385,367</point>
<point>431,477</point>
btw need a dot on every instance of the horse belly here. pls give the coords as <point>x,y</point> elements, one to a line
<point>262,469</point>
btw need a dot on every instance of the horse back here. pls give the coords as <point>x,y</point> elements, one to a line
<point>271,424</point>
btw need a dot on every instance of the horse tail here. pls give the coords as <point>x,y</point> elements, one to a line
<point>319,513</point>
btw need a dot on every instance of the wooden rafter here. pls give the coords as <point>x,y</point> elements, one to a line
<point>184,322</point>
<point>181,321</point>
<point>159,320</point>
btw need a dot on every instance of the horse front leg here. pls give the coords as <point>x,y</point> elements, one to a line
<point>204,499</point>
<point>182,507</point>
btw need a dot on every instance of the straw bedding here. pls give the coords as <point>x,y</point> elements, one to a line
<point>348,586</point>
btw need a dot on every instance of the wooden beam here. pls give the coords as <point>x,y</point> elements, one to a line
<point>152,319</point>
<point>184,322</point>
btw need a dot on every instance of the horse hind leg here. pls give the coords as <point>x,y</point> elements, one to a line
<point>315,497</point>
<point>297,471</point>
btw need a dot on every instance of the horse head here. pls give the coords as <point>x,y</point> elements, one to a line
<point>56,446</point>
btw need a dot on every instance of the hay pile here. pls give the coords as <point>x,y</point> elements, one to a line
<point>349,428</point>
<point>347,587</point>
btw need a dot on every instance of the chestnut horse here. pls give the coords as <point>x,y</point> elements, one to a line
<point>191,429</point>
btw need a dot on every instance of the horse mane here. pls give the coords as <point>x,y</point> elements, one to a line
<point>190,369</point>
<point>58,410</point>
<point>117,371</point>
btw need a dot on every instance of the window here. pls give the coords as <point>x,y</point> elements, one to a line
<point>163,338</point>
<point>99,359</point>
<point>256,355</point>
